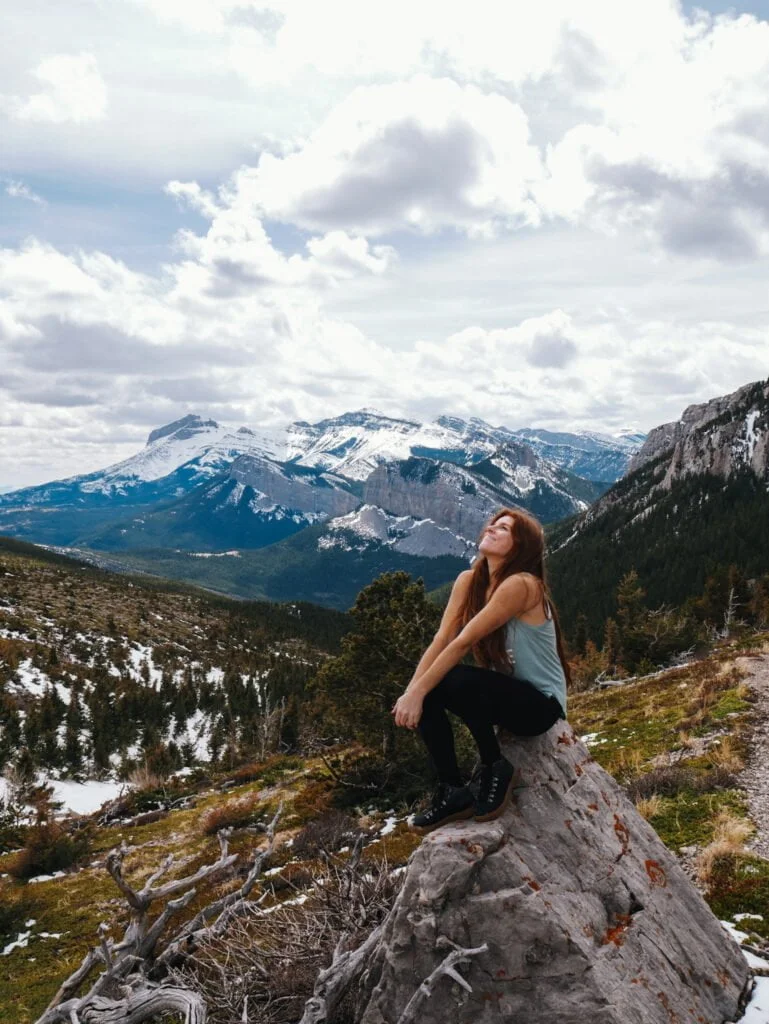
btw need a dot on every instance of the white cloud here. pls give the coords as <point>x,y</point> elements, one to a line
<point>682,149</point>
<point>236,256</point>
<point>420,154</point>
<point>558,218</point>
<point>18,190</point>
<point>73,90</point>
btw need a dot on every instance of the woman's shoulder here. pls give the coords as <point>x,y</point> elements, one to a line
<point>528,578</point>
<point>533,585</point>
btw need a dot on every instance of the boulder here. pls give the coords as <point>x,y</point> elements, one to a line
<point>586,915</point>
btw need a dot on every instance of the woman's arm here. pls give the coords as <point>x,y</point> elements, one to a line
<point>447,630</point>
<point>508,600</point>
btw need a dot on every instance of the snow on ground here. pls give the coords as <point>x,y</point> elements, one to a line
<point>197,731</point>
<point>757,1010</point>
<point>78,797</point>
<point>138,654</point>
<point>214,554</point>
<point>389,825</point>
<point>84,797</point>
<point>31,679</point>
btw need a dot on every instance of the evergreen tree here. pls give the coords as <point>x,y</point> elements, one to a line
<point>393,623</point>
<point>611,645</point>
<point>580,634</point>
<point>73,750</point>
<point>630,604</point>
<point>758,606</point>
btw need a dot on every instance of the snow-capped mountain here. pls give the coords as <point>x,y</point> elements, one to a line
<point>176,457</point>
<point>254,502</point>
<point>595,456</point>
<point>198,484</point>
<point>355,443</point>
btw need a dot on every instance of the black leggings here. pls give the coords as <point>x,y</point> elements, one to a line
<point>482,698</point>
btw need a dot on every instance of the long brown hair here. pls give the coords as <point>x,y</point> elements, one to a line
<point>527,555</point>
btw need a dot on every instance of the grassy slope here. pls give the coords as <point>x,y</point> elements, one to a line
<point>636,723</point>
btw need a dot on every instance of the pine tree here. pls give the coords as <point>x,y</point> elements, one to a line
<point>73,750</point>
<point>580,634</point>
<point>630,606</point>
<point>393,623</point>
<point>611,645</point>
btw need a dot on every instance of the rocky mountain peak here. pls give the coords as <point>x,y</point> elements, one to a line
<point>186,427</point>
<point>696,420</point>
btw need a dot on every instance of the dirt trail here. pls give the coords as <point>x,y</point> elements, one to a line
<point>755,777</point>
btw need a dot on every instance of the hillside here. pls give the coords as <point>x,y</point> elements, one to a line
<point>99,673</point>
<point>676,741</point>
<point>696,503</point>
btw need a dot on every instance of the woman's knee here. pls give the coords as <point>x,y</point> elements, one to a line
<point>445,689</point>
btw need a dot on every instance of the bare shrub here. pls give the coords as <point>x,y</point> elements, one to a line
<point>326,833</point>
<point>264,967</point>
<point>142,777</point>
<point>673,779</point>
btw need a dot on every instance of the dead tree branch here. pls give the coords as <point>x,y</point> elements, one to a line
<point>447,966</point>
<point>133,967</point>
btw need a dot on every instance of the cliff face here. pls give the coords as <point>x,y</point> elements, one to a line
<point>717,436</point>
<point>322,494</point>
<point>721,437</point>
<point>587,917</point>
<point>461,498</point>
<point>425,489</point>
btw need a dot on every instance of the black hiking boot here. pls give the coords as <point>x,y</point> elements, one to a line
<point>495,789</point>
<point>449,803</point>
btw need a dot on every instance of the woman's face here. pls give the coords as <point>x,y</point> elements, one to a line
<point>498,537</point>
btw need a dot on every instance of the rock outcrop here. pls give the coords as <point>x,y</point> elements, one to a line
<point>716,437</point>
<point>587,917</point>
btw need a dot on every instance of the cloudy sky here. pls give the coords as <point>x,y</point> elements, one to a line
<point>552,215</point>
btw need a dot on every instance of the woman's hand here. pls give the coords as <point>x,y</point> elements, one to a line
<point>408,710</point>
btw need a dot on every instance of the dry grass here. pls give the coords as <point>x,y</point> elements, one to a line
<point>650,806</point>
<point>724,754</point>
<point>729,835</point>
<point>143,778</point>
<point>630,759</point>
<point>686,739</point>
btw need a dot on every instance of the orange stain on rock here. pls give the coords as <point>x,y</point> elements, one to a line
<point>616,934</point>
<point>621,831</point>
<point>656,873</point>
<point>672,1015</point>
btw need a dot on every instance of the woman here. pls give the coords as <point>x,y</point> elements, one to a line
<point>501,610</point>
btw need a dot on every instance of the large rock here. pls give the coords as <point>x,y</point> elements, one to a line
<point>588,917</point>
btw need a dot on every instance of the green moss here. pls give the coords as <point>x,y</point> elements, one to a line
<point>687,818</point>
<point>728,704</point>
<point>72,907</point>
<point>396,847</point>
<point>741,886</point>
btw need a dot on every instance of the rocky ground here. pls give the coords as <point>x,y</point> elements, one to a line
<point>755,777</point>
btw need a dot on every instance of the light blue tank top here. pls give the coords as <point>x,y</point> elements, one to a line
<point>534,653</point>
